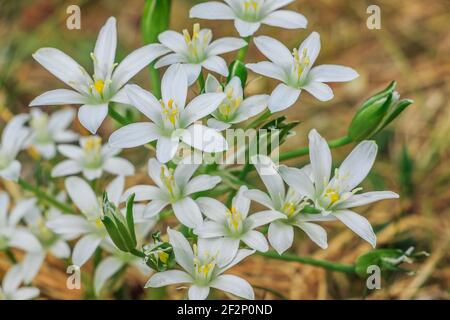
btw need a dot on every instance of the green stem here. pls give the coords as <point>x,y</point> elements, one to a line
<point>155,81</point>
<point>117,116</point>
<point>137,253</point>
<point>242,53</point>
<point>44,196</point>
<point>10,255</point>
<point>201,82</point>
<point>304,151</point>
<point>346,268</point>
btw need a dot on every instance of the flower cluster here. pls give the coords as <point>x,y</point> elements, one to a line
<point>88,216</point>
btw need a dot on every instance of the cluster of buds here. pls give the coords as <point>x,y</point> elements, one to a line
<point>159,256</point>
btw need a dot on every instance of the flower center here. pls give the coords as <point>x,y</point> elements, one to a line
<point>39,123</point>
<point>301,63</point>
<point>99,85</point>
<point>197,43</point>
<point>168,180</point>
<point>93,152</point>
<point>332,195</point>
<point>203,267</point>
<point>170,111</point>
<point>234,220</point>
<point>230,104</point>
<point>251,9</point>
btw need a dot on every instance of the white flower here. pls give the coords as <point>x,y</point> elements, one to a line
<point>296,72</point>
<point>289,205</point>
<point>174,187</point>
<point>94,93</point>
<point>248,15</point>
<point>10,289</point>
<point>47,130</point>
<point>234,225</point>
<point>334,197</point>
<point>234,108</point>
<point>203,269</point>
<point>14,137</point>
<point>172,121</point>
<point>12,235</point>
<point>90,224</point>
<point>91,159</point>
<point>197,51</point>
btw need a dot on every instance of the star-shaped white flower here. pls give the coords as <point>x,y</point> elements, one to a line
<point>204,269</point>
<point>296,71</point>
<point>234,225</point>
<point>334,197</point>
<point>14,138</point>
<point>48,130</point>
<point>91,158</point>
<point>234,108</point>
<point>289,205</point>
<point>11,290</point>
<point>197,51</point>
<point>172,121</point>
<point>174,187</point>
<point>94,93</point>
<point>248,15</point>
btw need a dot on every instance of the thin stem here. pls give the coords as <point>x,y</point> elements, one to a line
<point>346,268</point>
<point>46,197</point>
<point>137,253</point>
<point>242,53</point>
<point>117,116</point>
<point>155,81</point>
<point>201,82</point>
<point>304,151</point>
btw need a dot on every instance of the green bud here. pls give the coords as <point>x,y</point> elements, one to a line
<point>159,256</point>
<point>376,113</point>
<point>238,69</point>
<point>155,19</point>
<point>120,228</point>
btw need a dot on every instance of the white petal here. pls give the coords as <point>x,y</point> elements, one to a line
<point>212,10</point>
<point>105,48</point>
<point>31,265</point>
<point>84,249</point>
<point>298,180</point>
<point>358,224</point>
<point>12,172</point>
<point>58,97</point>
<point>212,85</point>
<point>245,28</point>
<point>283,97</point>
<point>241,255</point>
<point>66,168</point>
<point>166,148</point>
<point>154,172</point>
<point>210,229</point>
<point>212,209</point>
<point>321,162</point>
<point>63,67</point>
<point>135,62</point>
<point>267,69</point>
<point>217,125</point>
<point>273,49</point>
<point>4,206</point>
<point>255,240</point>
<point>12,279</point>
<point>315,232</point>
<point>201,106</point>
<point>162,279</point>
<point>25,293</point>
<point>142,193</point>
<point>188,212</point>
<point>270,177</point>
<point>184,172</point>
<point>105,270</point>
<point>281,236</point>
<point>115,189</point>
<point>366,198</point>
<point>71,151</point>
<point>60,249</point>
<point>241,202</point>
<point>234,285</point>
<point>23,209</point>
<point>201,183</point>
<point>83,196</point>
<point>192,72</point>
<point>119,166</point>
<point>312,46</point>
<point>174,85</point>
<point>197,292</point>
<point>170,59</point>
<point>272,5</point>
<point>260,197</point>
<point>319,90</point>
<point>204,138</point>
<point>262,218</point>
<point>182,250</point>
<point>254,105</point>
<point>134,135</point>
<point>224,45</point>
<point>216,64</point>
<point>154,208</point>
<point>69,225</point>
<point>61,119</point>
<point>286,19</point>
<point>92,174</point>
<point>24,240</point>
<point>227,250</point>
<point>332,73</point>
<point>91,116</point>
<point>173,40</point>
<point>358,164</point>
<point>145,102</point>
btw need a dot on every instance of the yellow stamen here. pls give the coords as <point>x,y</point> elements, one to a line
<point>163,256</point>
<point>333,195</point>
<point>289,208</point>
<point>93,144</point>
<point>171,111</point>
<point>99,85</point>
<point>99,223</point>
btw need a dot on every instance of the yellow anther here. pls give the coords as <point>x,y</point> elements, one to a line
<point>195,31</point>
<point>99,223</point>
<point>289,208</point>
<point>93,144</point>
<point>171,110</point>
<point>167,179</point>
<point>234,218</point>
<point>99,85</point>
<point>163,256</point>
<point>187,36</point>
<point>333,195</point>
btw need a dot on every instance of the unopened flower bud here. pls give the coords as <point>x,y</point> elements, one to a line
<point>159,256</point>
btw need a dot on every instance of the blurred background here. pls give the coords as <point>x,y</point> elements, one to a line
<point>412,47</point>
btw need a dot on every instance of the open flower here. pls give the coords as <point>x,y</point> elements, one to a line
<point>91,158</point>
<point>174,187</point>
<point>47,131</point>
<point>197,51</point>
<point>235,225</point>
<point>14,137</point>
<point>334,197</point>
<point>172,121</point>
<point>203,269</point>
<point>248,15</point>
<point>10,289</point>
<point>234,108</point>
<point>289,205</point>
<point>94,93</point>
<point>89,225</point>
<point>296,72</point>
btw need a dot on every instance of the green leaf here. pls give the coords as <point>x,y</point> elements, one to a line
<point>238,69</point>
<point>155,19</point>
<point>376,257</point>
<point>114,233</point>
<point>123,231</point>
<point>130,219</point>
